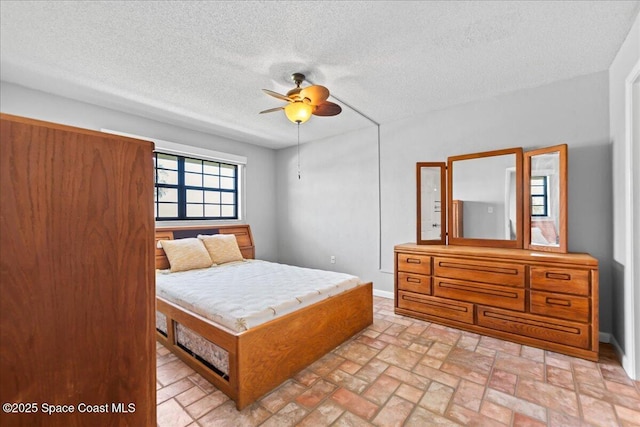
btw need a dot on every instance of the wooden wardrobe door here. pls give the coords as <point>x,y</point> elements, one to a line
<point>77,288</point>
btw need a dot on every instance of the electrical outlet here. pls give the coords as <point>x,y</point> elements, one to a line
<point>333,259</point>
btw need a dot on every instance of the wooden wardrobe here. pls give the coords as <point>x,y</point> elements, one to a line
<point>77,295</point>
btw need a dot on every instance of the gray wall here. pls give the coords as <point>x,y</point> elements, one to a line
<point>260,170</point>
<point>333,209</point>
<point>627,57</point>
<point>337,207</point>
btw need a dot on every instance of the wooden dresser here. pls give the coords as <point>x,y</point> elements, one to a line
<point>542,299</point>
<point>77,312</point>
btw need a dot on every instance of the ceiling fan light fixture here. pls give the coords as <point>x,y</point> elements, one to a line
<point>304,101</point>
<point>298,111</point>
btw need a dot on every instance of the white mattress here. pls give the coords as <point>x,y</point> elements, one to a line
<point>242,295</point>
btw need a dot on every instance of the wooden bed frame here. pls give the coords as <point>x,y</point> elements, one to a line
<point>263,357</point>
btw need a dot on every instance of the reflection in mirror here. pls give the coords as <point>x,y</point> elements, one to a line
<point>431,207</point>
<point>545,188</point>
<point>488,199</point>
<point>510,219</point>
<point>430,203</point>
<point>545,199</point>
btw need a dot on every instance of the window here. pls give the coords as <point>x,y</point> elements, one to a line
<point>188,188</point>
<point>539,196</point>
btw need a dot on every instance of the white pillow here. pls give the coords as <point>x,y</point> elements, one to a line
<point>186,254</point>
<point>222,248</point>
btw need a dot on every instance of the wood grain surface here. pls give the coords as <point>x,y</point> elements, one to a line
<point>77,276</point>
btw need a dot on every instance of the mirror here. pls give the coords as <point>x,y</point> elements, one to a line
<point>430,180</point>
<point>545,199</point>
<point>485,199</point>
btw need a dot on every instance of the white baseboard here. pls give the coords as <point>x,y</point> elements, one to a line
<point>616,347</point>
<point>383,294</point>
<point>625,361</point>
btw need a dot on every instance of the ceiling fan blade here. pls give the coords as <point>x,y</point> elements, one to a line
<point>271,110</point>
<point>277,95</point>
<point>294,93</point>
<point>317,94</point>
<point>327,108</point>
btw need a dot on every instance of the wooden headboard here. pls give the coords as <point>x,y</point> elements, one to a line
<point>242,232</point>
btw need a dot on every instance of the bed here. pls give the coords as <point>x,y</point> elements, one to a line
<point>243,360</point>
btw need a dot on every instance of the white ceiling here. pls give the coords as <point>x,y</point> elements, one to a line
<point>203,64</point>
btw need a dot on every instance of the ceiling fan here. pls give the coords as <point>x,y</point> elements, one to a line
<point>304,101</point>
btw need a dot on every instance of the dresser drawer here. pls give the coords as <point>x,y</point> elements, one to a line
<point>436,307</point>
<point>565,280</point>
<point>538,327</point>
<point>415,283</point>
<point>482,293</point>
<point>569,307</point>
<point>412,263</point>
<point>480,271</point>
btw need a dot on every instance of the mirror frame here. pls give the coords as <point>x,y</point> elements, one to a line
<point>498,243</point>
<point>443,205</point>
<point>562,203</point>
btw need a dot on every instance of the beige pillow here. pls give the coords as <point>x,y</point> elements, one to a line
<point>222,248</point>
<point>186,254</point>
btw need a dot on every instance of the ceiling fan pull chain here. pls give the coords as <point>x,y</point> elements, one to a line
<point>298,150</point>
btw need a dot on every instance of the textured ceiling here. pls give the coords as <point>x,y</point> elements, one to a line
<point>203,64</point>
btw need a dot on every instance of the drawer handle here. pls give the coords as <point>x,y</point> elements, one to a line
<point>555,301</point>
<point>414,261</point>
<point>558,276</point>
<point>413,280</point>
